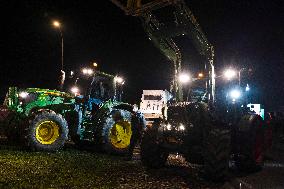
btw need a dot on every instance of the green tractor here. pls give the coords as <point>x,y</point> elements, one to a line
<point>44,119</point>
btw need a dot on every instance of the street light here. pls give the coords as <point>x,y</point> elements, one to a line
<point>95,64</point>
<point>57,25</point>
<point>200,75</point>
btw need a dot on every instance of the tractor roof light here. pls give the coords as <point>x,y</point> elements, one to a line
<point>184,78</point>
<point>119,80</point>
<point>235,94</point>
<point>230,74</point>
<point>181,127</point>
<point>75,90</point>
<point>87,71</point>
<point>23,94</point>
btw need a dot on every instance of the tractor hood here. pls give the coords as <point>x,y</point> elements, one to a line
<point>46,92</point>
<point>25,100</point>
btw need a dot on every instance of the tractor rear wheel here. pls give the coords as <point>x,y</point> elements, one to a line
<point>152,155</point>
<point>216,154</point>
<point>207,141</point>
<point>119,131</point>
<point>48,131</point>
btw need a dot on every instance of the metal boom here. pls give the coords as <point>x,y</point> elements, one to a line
<point>162,35</point>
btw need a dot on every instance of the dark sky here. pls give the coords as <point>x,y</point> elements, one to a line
<point>247,33</point>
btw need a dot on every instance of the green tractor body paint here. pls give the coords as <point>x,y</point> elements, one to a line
<point>45,119</point>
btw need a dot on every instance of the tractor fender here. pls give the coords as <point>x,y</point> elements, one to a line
<point>124,106</point>
<point>248,142</point>
<point>38,111</point>
<point>246,122</point>
<point>242,131</point>
<point>139,115</point>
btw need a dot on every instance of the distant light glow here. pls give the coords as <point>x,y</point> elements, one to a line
<point>169,127</point>
<point>184,78</point>
<point>56,24</point>
<point>247,88</point>
<point>200,75</point>
<point>95,64</point>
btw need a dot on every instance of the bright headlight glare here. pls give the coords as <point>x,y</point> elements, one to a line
<point>119,80</point>
<point>74,90</point>
<point>87,71</point>
<point>181,127</point>
<point>23,94</point>
<point>235,94</point>
<point>169,127</point>
<point>90,71</point>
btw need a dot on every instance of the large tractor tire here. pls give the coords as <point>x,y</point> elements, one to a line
<point>216,154</point>
<point>152,155</point>
<point>207,141</point>
<point>120,130</point>
<point>251,143</point>
<point>47,131</point>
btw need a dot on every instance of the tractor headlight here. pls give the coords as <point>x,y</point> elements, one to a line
<point>75,90</point>
<point>181,127</point>
<point>169,127</point>
<point>23,94</point>
<point>25,97</point>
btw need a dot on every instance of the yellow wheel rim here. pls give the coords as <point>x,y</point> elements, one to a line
<point>47,132</point>
<point>120,134</point>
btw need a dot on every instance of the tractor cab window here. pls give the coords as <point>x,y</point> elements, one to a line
<point>101,89</point>
<point>80,83</point>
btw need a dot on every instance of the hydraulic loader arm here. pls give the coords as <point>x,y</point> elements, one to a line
<point>179,21</point>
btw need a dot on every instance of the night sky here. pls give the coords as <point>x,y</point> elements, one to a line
<point>246,33</point>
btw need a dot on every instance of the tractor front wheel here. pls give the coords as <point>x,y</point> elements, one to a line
<point>152,155</point>
<point>120,131</point>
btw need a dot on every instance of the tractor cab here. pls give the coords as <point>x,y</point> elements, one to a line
<point>95,85</point>
<point>93,89</point>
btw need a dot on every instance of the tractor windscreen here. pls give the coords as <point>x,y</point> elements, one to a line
<point>100,87</point>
